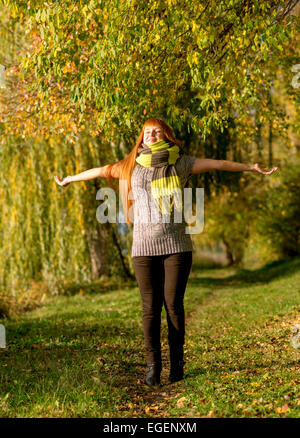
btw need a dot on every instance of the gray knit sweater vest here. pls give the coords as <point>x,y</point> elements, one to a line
<point>157,237</point>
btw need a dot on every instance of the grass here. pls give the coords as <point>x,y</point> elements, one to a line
<point>82,355</point>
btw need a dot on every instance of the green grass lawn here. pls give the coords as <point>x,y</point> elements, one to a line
<point>83,355</point>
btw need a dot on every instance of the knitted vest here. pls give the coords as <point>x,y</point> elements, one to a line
<point>157,237</point>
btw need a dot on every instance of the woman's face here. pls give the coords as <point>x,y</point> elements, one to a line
<point>153,133</point>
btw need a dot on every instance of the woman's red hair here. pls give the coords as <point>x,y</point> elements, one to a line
<point>126,166</point>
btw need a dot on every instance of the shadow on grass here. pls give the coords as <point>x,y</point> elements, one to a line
<point>77,355</point>
<point>244,277</point>
<point>97,286</point>
<point>59,358</point>
<point>241,278</point>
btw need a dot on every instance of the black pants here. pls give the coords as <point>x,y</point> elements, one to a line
<point>162,279</point>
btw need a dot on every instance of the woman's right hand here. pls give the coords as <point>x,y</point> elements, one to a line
<point>258,168</point>
<point>63,182</point>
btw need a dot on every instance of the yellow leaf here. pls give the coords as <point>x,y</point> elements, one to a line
<point>180,402</point>
<point>283,409</point>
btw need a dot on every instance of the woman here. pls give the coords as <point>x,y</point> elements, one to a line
<point>161,251</point>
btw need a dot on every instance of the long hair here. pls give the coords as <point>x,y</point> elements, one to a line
<point>126,165</point>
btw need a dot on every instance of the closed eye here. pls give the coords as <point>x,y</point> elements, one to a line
<point>158,130</point>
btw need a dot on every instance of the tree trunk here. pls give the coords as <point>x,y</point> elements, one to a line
<point>270,133</point>
<point>258,125</point>
<point>229,253</point>
<point>122,258</point>
<point>96,243</point>
<point>270,144</point>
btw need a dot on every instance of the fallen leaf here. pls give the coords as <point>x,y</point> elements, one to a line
<point>283,409</point>
<point>180,402</point>
<point>210,414</point>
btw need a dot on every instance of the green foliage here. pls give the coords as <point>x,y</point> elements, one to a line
<point>47,232</point>
<point>279,217</point>
<point>129,59</point>
<point>263,218</point>
<point>229,217</point>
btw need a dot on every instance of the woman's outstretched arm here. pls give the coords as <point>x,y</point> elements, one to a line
<point>96,172</point>
<point>206,165</point>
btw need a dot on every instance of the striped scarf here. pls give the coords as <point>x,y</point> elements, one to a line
<point>162,155</point>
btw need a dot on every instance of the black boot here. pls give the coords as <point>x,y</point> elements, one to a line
<point>153,371</point>
<point>176,371</point>
<point>176,363</point>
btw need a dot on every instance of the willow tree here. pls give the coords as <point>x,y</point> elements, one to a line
<point>47,233</point>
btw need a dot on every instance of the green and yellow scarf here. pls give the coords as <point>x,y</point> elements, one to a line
<point>162,155</point>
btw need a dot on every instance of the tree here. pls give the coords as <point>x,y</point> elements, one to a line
<point>113,63</point>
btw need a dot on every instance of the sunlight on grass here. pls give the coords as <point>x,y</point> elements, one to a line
<point>83,355</point>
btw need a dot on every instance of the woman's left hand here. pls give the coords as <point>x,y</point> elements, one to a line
<point>258,169</point>
<point>63,182</point>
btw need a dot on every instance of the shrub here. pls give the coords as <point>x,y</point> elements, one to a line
<point>279,217</point>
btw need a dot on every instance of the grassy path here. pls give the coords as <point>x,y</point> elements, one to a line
<point>83,355</point>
